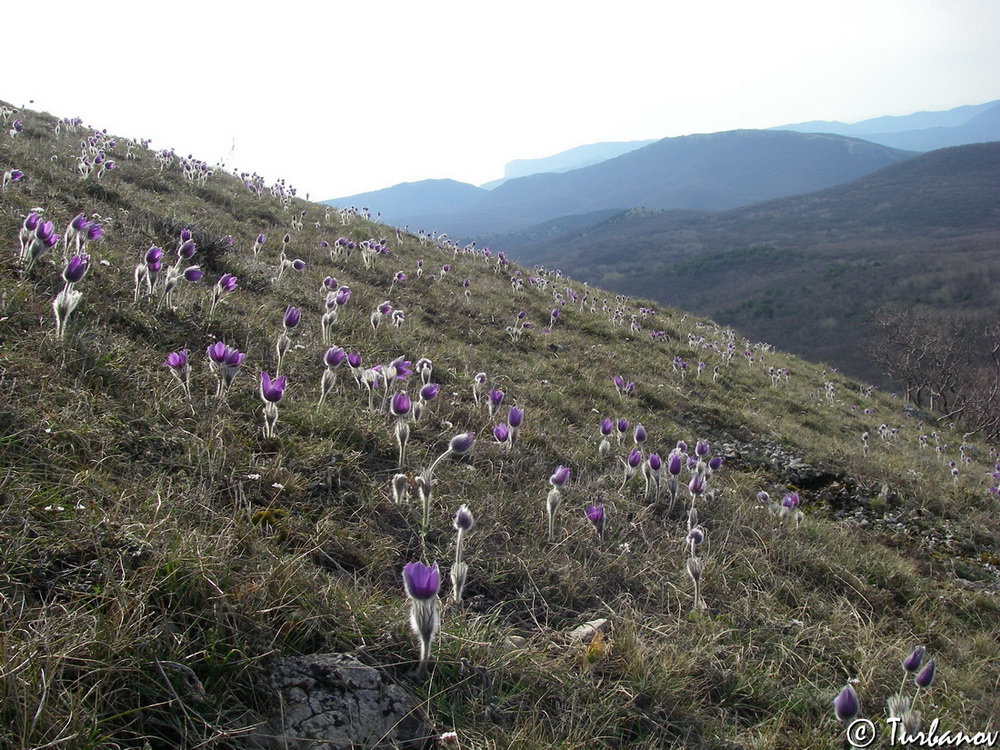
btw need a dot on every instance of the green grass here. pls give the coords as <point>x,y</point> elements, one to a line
<point>139,532</point>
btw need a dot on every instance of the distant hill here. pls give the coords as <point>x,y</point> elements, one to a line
<point>921,131</point>
<point>805,271</point>
<point>711,171</point>
<point>574,158</point>
<point>398,202</point>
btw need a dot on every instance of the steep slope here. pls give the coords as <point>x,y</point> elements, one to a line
<point>921,231</point>
<point>160,549</point>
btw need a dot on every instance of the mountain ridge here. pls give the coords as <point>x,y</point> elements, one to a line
<point>714,170</point>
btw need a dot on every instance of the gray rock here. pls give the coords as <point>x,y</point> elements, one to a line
<point>334,702</point>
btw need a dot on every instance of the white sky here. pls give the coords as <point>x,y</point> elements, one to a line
<point>343,97</point>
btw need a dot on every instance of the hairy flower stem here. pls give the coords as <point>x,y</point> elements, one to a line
<point>402,436</point>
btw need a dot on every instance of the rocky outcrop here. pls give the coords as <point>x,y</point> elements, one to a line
<point>334,702</point>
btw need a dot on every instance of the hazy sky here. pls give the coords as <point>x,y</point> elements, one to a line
<point>343,97</point>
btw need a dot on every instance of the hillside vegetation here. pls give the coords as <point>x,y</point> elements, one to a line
<point>159,550</point>
<point>807,272</point>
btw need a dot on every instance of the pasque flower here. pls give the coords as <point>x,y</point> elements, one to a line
<point>225,286</point>
<point>560,476</point>
<point>271,392</point>
<point>846,705</point>
<point>76,269</point>
<point>463,524</point>
<point>225,361</point>
<point>596,515</point>
<point>422,584</point>
<point>333,358</point>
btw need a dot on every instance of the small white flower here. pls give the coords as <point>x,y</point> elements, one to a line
<point>253,476</point>
<point>278,486</point>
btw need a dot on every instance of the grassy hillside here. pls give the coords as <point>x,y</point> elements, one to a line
<point>158,550</point>
<point>806,272</point>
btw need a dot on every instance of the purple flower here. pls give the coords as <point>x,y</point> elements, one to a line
<point>298,264</point>
<point>462,443</point>
<point>194,273</point>
<point>400,404</point>
<point>595,513</point>
<point>622,426</point>
<point>422,582</point>
<point>403,368</point>
<point>234,357</point>
<point>177,361</point>
<point>515,416</point>
<point>560,476</point>
<point>791,500</point>
<point>926,677</point>
<point>697,483</point>
<point>639,434</point>
<point>606,426</point>
<point>675,463</point>
<point>45,232</point>
<point>715,463</point>
<point>76,268</point>
<point>94,231</point>
<point>187,249</point>
<point>655,462</point>
<point>154,255</point>
<point>463,519</point>
<point>846,705</point>
<point>223,354</point>
<point>185,235</point>
<point>501,432</point>
<point>271,390</point>
<point>354,359</point>
<point>496,397</point>
<point>701,449</point>
<point>634,458</point>
<point>334,356</point>
<point>261,239</point>
<point>227,283</point>
<point>429,392</point>
<point>292,315</point>
<point>696,536</point>
<point>912,662</point>
<point>78,223</point>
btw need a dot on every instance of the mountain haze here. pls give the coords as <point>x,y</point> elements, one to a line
<point>805,271</point>
<point>711,171</point>
<point>921,131</point>
<point>574,158</point>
